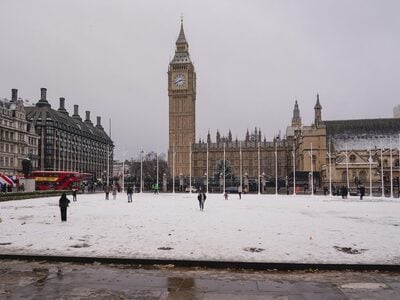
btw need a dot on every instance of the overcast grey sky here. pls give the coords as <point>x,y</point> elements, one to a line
<point>252,58</point>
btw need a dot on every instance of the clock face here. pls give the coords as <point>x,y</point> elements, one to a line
<point>179,80</point>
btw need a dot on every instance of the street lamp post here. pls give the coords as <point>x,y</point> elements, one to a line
<point>207,170</point>
<point>330,169</point>
<point>382,185</point>
<point>190,168</point>
<point>370,173</point>
<point>276,168</point>
<point>294,169</point>
<point>141,171</point>
<point>391,169</point>
<point>240,165</point>
<point>224,167</point>
<point>157,186</point>
<point>259,170</point>
<point>173,169</point>
<point>347,169</point>
<point>123,175</point>
<point>312,170</point>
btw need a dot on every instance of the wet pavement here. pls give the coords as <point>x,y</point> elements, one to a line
<point>48,280</point>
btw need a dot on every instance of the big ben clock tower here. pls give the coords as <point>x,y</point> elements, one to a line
<point>182,107</point>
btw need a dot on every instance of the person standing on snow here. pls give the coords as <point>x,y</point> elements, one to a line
<point>107,191</point>
<point>63,204</point>
<point>114,192</point>
<point>74,194</point>
<point>129,192</point>
<point>202,198</point>
<point>362,192</point>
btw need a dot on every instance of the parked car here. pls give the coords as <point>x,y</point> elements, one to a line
<point>232,190</point>
<point>192,188</point>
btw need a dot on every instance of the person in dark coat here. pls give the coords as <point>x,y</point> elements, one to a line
<point>129,192</point>
<point>74,194</point>
<point>107,191</point>
<point>202,198</point>
<point>63,204</point>
<point>343,191</point>
<point>362,191</point>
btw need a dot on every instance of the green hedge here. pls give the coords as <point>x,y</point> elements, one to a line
<point>30,195</point>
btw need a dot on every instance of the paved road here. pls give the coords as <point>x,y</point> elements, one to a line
<point>43,280</point>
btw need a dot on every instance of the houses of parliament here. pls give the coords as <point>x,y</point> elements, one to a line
<point>350,152</point>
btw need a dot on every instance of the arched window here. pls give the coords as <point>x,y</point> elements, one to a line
<point>362,176</point>
<point>344,176</point>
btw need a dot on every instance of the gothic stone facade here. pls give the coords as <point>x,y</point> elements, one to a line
<point>312,145</point>
<point>182,107</point>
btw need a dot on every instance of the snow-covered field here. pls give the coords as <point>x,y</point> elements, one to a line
<point>258,228</point>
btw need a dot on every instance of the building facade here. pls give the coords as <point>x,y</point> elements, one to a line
<point>351,152</point>
<point>18,139</point>
<point>182,107</point>
<point>69,143</point>
<point>342,152</point>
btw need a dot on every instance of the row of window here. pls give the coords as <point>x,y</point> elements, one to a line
<point>6,161</point>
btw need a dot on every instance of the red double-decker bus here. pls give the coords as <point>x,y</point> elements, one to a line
<point>55,180</point>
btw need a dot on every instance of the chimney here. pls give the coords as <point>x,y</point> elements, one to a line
<point>43,101</point>
<point>76,113</point>
<point>14,95</point>
<point>87,120</point>
<point>98,125</point>
<point>62,109</point>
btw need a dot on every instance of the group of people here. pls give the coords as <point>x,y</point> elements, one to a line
<point>64,201</point>
<point>344,191</point>
<point>6,188</point>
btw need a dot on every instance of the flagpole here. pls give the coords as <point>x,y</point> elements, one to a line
<point>276,169</point>
<point>207,171</point>
<point>190,168</point>
<point>240,164</point>
<point>259,170</point>
<point>294,169</point>
<point>347,170</point>
<point>370,173</point>
<point>312,172</point>
<point>382,185</point>
<point>224,167</point>
<point>157,172</point>
<point>173,169</point>
<point>330,172</point>
<point>391,169</point>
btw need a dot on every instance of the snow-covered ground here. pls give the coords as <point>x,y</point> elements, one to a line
<point>258,228</point>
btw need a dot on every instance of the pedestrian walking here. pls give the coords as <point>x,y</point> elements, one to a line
<point>202,198</point>
<point>240,191</point>
<point>129,192</point>
<point>114,192</point>
<point>107,191</point>
<point>156,188</point>
<point>362,192</point>
<point>74,194</point>
<point>63,204</point>
<point>226,195</point>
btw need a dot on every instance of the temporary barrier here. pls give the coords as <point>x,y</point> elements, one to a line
<point>6,180</point>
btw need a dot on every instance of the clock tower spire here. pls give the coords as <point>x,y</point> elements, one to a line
<point>182,106</point>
